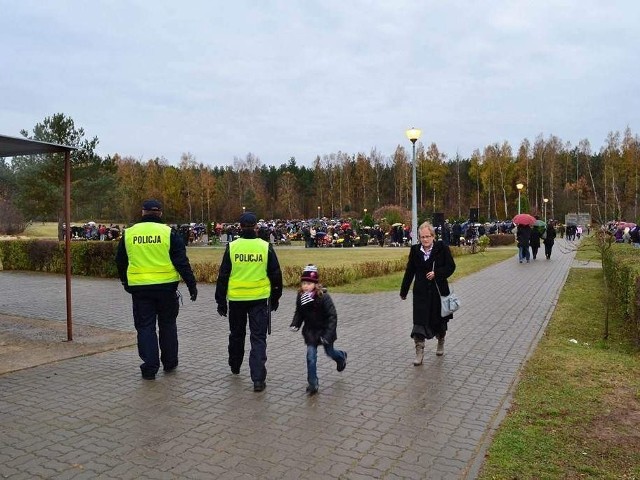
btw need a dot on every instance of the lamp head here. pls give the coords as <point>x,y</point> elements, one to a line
<point>519,186</point>
<point>413,134</point>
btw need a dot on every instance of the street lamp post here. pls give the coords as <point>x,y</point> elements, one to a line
<point>244,209</point>
<point>413,134</point>
<point>546,200</point>
<point>318,211</point>
<point>519,186</point>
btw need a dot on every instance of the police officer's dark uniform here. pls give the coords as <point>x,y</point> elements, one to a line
<point>151,258</point>
<point>251,280</point>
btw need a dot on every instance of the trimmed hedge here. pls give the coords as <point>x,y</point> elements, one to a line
<point>498,239</point>
<point>330,276</point>
<point>621,266</point>
<point>95,259</point>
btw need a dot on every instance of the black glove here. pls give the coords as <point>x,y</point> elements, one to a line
<point>274,305</point>
<point>193,293</point>
<point>222,309</point>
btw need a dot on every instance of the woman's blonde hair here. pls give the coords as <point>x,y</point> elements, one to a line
<point>427,225</point>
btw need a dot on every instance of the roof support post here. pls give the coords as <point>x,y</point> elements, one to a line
<point>67,239</point>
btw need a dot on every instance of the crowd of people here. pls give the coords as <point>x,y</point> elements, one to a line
<point>93,231</point>
<point>530,237</point>
<point>323,232</point>
<point>624,232</point>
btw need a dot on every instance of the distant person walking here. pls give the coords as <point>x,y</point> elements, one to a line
<point>316,314</point>
<point>534,241</point>
<point>151,258</point>
<point>251,280</point>
<point>429,263</point>
<point>549,239</point>
<point>523,236</point>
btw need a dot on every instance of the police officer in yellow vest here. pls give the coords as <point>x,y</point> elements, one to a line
<point>151,258</point>
<point>251,280</point>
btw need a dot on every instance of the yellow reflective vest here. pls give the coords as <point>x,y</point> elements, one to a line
<point>248,279</point>
<point>147,245</point>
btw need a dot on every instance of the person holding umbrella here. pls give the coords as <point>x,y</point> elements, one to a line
<point>523,237</point>
<point>430,263</point>
<point>524,222</point>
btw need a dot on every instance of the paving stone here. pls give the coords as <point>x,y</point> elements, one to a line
<point>94,417</point>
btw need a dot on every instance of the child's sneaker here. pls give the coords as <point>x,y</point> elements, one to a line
<point>312,389</point>
<point>343,364</point>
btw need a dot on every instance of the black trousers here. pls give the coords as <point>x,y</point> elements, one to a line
<point>149,307</point>
<point>257,312</point>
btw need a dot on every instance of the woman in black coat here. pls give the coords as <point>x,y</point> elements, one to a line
<point>523,236</point>
<point>430,263</point>
<point>534,241</point>
<point>549,239</point>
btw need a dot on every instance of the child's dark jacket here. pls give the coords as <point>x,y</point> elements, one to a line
<point>318,318</point>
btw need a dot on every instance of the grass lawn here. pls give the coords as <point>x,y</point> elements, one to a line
<point>465,265</point>
<point>587,251</point>
<point>576,410</point>
<point>42,230</point>
<point>298,255</point>
<point>325,257</point>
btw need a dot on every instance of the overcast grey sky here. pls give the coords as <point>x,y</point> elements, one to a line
<point>281,79</point>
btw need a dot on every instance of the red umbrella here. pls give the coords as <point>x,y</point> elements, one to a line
<point>524,219</point>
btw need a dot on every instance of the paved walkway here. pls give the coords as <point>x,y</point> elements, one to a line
<point>94,417</point>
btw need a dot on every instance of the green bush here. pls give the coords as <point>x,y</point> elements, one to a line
<point>501,239</point>
<point>14,255</point>
<point>621,266</point>
<point>45,255</point>
<point>95,259</point>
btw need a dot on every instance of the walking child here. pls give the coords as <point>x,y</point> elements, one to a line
<point>316,314</point>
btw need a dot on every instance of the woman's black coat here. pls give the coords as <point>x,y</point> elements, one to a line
<point>550,236</point>
<point>427,321</point>
<point>523,236</point>
<point>318,319</point>
<point>534,238</point>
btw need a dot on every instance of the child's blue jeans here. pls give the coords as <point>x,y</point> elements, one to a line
<point>312,360</point>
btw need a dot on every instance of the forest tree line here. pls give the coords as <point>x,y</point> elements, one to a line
<point>572,178</point>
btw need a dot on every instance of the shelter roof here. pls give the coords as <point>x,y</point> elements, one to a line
<point>14,146</point>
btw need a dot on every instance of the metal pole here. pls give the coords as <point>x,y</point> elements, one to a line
<point>518,201</point>
<point>67,240</point>
<point>414,202</point>
<point>577,187</point>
